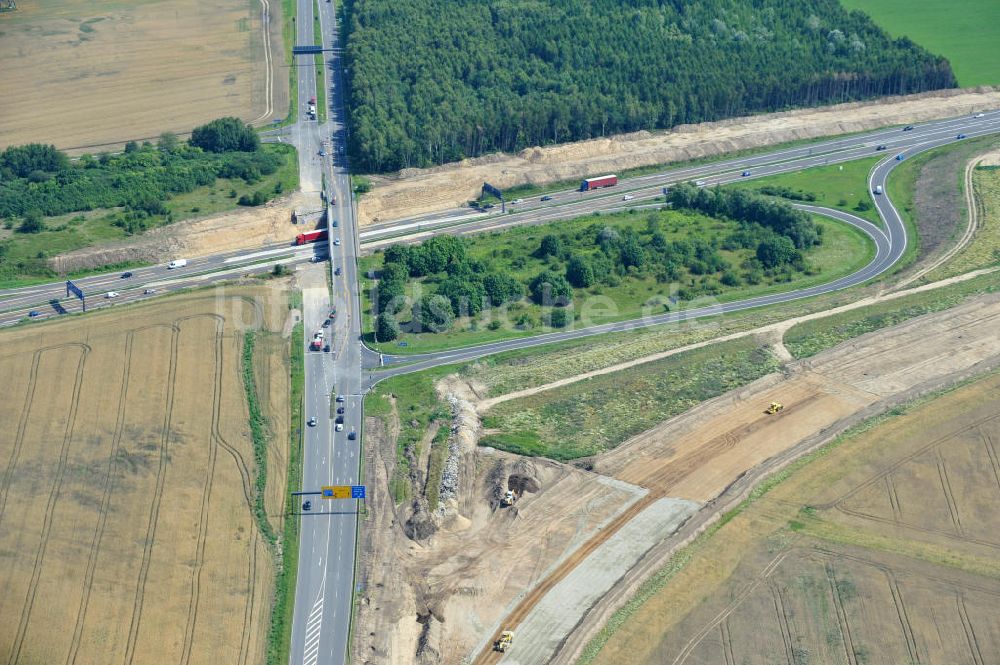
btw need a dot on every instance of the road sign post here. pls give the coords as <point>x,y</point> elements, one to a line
<point>75,290</point>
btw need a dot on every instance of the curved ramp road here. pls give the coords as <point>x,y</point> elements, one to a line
<point>890,243</point>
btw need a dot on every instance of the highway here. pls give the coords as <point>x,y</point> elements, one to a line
<point>50,298</point>
<point>326,565</point>
<point>891,242</point>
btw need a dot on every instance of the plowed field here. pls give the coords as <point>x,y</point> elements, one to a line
<point>885,550</point>
<point>126,476</point>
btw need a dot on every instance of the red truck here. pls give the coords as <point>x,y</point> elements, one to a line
<point>311,236</point>
<point>312,101</point>
<point>598,182</point>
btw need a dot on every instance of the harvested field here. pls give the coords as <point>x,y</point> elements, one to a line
<point>883,550</point>
<point>126,496</point>
<point>93,75</point>
<point>418,191</point>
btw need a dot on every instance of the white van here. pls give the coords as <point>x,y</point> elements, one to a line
<point>878,189</point>
<point>177,263</point>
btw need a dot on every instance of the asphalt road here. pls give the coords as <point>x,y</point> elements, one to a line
<point>50,298</point>
<point>891,243</point>
<point>326,566</point>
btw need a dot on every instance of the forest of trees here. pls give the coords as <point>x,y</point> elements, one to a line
<point>433,82</point>
<point>765,241</point>
<point>39,181</point>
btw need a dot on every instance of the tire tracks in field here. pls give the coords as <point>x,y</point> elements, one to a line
<point>154,509</point>
<point>50,506</point>
<point>206,494</point>
<point>102,518</point>
<point>251,591</point>
<point>265,20</point>
<point>21,427</point>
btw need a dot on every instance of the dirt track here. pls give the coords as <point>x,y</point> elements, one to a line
<point>419,191</point>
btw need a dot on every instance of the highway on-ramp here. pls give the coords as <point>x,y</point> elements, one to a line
<point>891,243</point>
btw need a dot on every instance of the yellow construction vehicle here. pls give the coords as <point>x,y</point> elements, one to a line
<point>508,498</point>
<point>506,637</point>
<point>775,407</point>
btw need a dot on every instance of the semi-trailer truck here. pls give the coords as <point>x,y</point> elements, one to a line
<point>310,236</point>
<point>598,182</point>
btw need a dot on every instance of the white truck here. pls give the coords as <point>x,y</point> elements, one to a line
<point>878,189</point>
<point>177,263</point>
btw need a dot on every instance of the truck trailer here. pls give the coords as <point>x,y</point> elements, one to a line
<point>311,236</point>
<point>598,182</point>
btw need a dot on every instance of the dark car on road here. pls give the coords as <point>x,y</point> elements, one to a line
<point>312,422</point>
<point>908,128</point>
<point>307,505</point>
<point>882,147</point>
<point>326,349</point>
<point>126,275</point>
<point>340,410</point>
<point>33,313</point>
<point>960,136</point>
<point>326,324</point>
<point>546,198</point>
<point>353,435</point>
<point>336,271</point>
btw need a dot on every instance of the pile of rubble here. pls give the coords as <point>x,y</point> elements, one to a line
<point>464,435</point>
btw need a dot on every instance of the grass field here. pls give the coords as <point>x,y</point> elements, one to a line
<point>965,31</point>
<point>597,414</point>
<point>810,337</point>
<point>879,548</point>
<point>129,482</point>
<point>86,74</point>
<point>843,251</point>
<point>984,250</point>
<point>839,186</point>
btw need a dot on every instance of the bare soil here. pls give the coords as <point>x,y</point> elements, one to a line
<point>125,504</point>
<point>89,76</point>
<point>430,597</point>
<point>245,228</point>
<point>419,191</point>
<point>698,456</point>
<point>884,551</point>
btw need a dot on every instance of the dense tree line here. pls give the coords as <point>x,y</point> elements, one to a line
<point>40,179</point>
<point>744,206</point>
<point>432,82</point>
<point>766,243</point>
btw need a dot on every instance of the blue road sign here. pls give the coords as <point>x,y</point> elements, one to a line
<point>75,290</point>
<point>490,189</point>
<point>328,492</point>
<point>357,491</point>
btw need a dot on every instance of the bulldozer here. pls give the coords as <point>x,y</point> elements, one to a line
<point>502,644</point>
<point>775,407</point>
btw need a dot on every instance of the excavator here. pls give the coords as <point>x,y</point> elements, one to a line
<point>775,407</point>
<point>502,644</point>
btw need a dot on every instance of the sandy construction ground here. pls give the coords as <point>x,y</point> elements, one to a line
<point>884,551</point>
<point>432,599</point>
<point>419,191</point>
<point>245,228</point>
<point>126,525</point>
<point>82,74</point>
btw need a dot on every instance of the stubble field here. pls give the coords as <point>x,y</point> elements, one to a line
<point>127,532</point>
<point>883,550</point>
<point>96,74</point>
